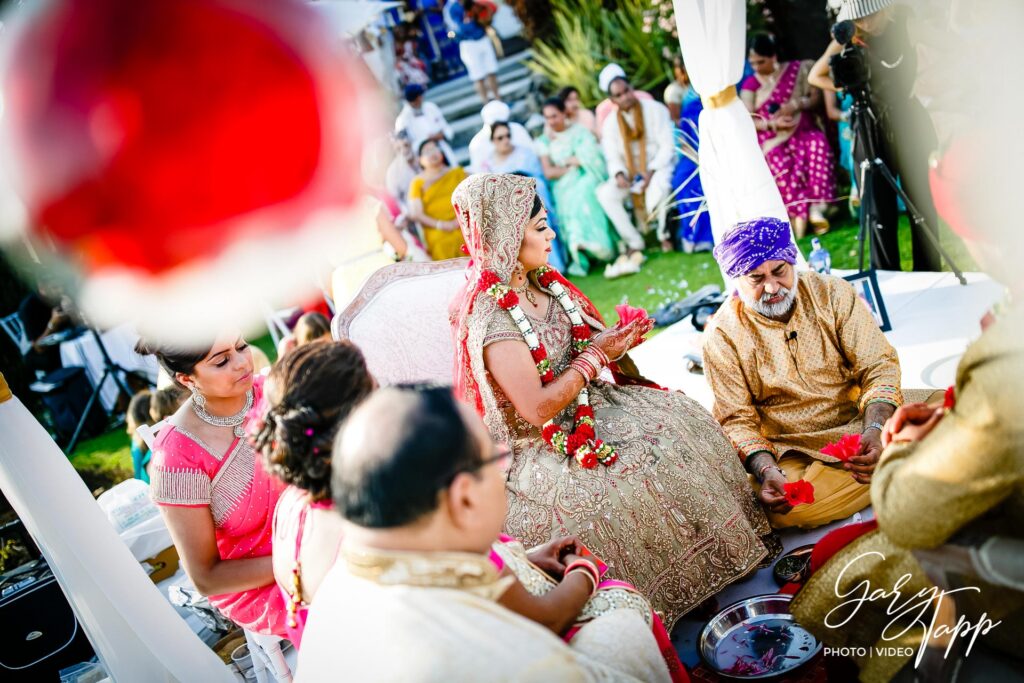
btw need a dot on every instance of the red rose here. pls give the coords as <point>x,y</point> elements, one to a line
<point>949,400</point>
<point>844,449</point>
<point>539,354</point>
<point>587,460</point>
<point>580,332</point>
<point>610,460</point>
<point>550,431</point>
<point>584,411</point>
<point>546,277</point>
<point>548,377</point>
<point>575,441</point>
<point>799,492</point>
<point>586,431</point>
<point>488,279</point>
<point>509,300</point>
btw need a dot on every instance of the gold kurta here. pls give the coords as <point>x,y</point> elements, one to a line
<point>675,516</point>
<point>801,384</point>
<point>968,472</point>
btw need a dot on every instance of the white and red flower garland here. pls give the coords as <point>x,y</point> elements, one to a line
<point>582,443</point>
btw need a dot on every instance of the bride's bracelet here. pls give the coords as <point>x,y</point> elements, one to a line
<point>585,567</point>
<point>590,363</point>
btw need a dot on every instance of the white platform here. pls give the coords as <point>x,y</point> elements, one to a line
<point>933,320</point>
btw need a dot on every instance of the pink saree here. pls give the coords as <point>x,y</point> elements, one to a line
<point>241,497</point>
<point>800,159</point>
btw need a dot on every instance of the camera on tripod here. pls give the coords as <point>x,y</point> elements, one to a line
<point>850,69</point>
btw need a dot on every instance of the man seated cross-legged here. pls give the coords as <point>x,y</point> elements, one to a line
<point>796,361</point>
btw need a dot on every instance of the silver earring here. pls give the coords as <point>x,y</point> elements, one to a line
<point>198,399</point>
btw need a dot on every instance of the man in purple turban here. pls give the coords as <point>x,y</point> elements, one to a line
<point>795,363</point>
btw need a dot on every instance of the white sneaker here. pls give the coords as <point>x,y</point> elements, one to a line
<point>617,269</point>
<point>637,259</point>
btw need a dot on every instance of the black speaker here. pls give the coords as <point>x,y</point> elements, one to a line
<point>39,634</point>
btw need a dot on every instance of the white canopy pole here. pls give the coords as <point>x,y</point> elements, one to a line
<point>737,183</point>
<point>133,628</point>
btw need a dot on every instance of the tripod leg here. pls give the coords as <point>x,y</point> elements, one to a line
<point>85,414</point>
<point>918,219</point>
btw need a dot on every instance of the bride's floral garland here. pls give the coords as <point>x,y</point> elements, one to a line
<point>582,444</point>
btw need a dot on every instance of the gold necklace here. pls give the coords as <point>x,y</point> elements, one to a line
<point>525,291</point>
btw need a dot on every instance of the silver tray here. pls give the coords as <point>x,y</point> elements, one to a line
<point>756,638</point>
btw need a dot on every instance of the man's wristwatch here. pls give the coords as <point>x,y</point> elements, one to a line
<point>875,425</point>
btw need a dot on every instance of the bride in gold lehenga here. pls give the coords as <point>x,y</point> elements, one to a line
<point>672,511</point>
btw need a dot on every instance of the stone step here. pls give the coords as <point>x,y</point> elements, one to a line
<point>453,89</point>
<point>469,105</point>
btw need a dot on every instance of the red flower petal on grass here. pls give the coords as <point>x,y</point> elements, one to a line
<point>628,314</point>
<point>844,449</point>
<point>799,492</point>
<point>949,400</point>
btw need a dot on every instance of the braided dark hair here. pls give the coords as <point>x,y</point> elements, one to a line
<point>309,392</point>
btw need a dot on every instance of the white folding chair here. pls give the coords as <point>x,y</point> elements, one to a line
<point>399,320</point>
<point>148,432</point>
<point>15,329</point>
<point>277,322</point>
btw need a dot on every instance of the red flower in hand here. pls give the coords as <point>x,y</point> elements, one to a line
<point>799,492</point>
<point>949,400</point>
<point>628,314</point>
<point>844,449</point>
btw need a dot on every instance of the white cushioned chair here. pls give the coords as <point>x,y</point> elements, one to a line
<point>399,320</point>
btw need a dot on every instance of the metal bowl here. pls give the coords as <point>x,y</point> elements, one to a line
<point>755,639</point>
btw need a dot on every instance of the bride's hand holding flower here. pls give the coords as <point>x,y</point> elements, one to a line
<point>615,341</point>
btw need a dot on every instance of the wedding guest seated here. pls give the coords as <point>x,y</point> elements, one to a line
<point>424,120</point>
<point>136,416</point>
<point>607,105</point>
<point>640,149</point>
<point>310,327</point>
<point>430,202</point>
<point>481,145</point>
<point>413,595</point>
<point>575,112</point>
<point>795,362</point>
<point>949,472</point>
<point>308,393</point>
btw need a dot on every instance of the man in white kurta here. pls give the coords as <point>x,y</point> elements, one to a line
<point>413,595</point>
<point>639,149</point>
<point>423,121</point>
<point>480,147</point>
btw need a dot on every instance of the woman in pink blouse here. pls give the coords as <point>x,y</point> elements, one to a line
<point>213,492</point>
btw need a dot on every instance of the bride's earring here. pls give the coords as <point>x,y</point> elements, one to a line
<point>198,400</point>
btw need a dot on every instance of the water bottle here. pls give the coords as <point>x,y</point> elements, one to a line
<point>819,260</point>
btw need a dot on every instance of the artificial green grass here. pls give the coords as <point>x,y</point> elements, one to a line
<point>666,278</point>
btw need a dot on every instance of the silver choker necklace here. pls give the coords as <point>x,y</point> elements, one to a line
<point>236,420</point>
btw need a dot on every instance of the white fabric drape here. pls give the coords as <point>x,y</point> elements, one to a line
<point>737,183</point>
<point>133,628</point>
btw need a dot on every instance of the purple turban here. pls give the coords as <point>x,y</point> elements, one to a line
<point>750,244</point>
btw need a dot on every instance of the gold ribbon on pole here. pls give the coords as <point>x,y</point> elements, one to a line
<point>720,99</point>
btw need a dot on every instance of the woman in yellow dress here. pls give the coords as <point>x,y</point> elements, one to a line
<point>430,202</point>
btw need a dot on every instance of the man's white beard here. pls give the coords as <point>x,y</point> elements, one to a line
<point>776,310</point>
